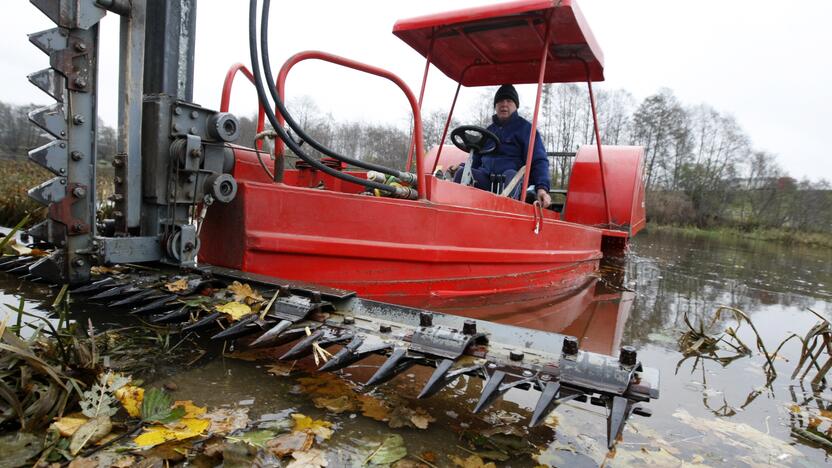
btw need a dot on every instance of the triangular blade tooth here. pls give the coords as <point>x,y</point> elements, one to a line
<point>95,286</point>
<point>491,390</point>
<point>133,299</point>
<point>9,260</point>
<point>50,268</point>
<point>42,232</point>
<point>83,16</point>
<point>303,347</point>
<point>23,267</point>
<point>271,334</point>
<point>345,356</point>
<point>397,363</point>
<point>49,40</point>
<point>544,404</point>
<point>177,315</point>
<point>204,322</point>
<point>51,118</point>
<point>438,380</point>
<point>158,304</point>
<point>16,262</point>
<point>51,191</point>
<point>238,328</point>
<point>50,82</point>
<point>115,291</point>
<point>53,156</point>
<point>616,419</point>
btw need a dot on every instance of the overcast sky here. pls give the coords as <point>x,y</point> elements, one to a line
<point>766,62</point>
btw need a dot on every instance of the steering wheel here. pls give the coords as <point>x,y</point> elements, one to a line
<point>472,138</point>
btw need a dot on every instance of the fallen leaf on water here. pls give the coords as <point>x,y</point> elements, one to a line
<point>281,369</point>
<point>374,408</point>
<point>286,444</point>
<point>390,450</point>
<point>103,270</point>
<point>183,429</point>
<point>70,423</point>
<point>131,398</point>
<point>90,432</point>
<point>312,458</point>
<point>173,451</point>
<point>472,461</point>
<point>82,462</point>
<point>336,404</point>
<point>191,410</point>
<point>227,420</point>
<point>318,427</point>
<point>179,285</point>
<point>325,384</point>
<point>244,292</point>
<point>234,310</point>
<point>254,438</point>
<point>429,456</point>
<point>408,463</point>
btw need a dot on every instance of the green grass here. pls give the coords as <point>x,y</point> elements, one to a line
<point>782,236</point>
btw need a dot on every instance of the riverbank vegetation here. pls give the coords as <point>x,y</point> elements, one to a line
<point>781,236</point>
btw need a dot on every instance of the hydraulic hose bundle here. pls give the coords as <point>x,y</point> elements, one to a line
<point>393,190</point>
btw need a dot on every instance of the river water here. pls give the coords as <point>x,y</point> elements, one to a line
<point>710,413</point>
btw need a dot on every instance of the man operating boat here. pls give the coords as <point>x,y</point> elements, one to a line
<point>500,167</point>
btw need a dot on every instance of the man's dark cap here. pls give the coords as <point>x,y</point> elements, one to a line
<point>507,91</point>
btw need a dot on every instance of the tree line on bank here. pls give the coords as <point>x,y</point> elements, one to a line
<point>700,166</point>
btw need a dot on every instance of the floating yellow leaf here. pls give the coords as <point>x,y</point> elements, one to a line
<point>312,458</point>
<point>191,410</point>
<point>183,429</point>
<point>318,427</point>
<point>244,293</point>
<point>179,285</point>
<point>234,310</point>
<point>131,398</point>
<point>70,423</point>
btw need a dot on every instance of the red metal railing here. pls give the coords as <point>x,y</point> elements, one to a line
<point>345,62</point>
<point>225,100</point>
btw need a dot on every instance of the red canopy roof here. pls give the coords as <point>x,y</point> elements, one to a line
<point>502,43</point>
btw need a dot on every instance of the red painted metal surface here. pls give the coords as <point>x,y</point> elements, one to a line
<point>462,243</point>
<point>225,100</point>
<point>533,132</point>
<point>497,44</point>
<point>585,201</point>
<point>445,156</point>
<point>345,62</point>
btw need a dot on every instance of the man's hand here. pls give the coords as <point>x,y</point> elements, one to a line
<point>544,198</point>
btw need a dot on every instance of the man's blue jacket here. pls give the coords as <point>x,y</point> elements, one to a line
<point>514,143</point>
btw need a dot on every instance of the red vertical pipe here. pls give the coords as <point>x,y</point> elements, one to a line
<point>445,130</point>
<point>598,144</point>
<point>421,95</point>
<point>544,55</point>
<point>225,99</point>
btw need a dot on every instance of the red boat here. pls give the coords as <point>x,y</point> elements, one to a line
<point>453,245</point>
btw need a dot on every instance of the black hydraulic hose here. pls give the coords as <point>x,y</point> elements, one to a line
<point>261,93</point>
<point>270,81</point>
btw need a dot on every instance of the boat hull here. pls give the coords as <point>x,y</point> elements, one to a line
<point>463,245</point>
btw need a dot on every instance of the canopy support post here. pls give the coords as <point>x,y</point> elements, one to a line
<point>598,143</point>
<point>421,96</point>
<point>530,151</point>
<point>445,130</point>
